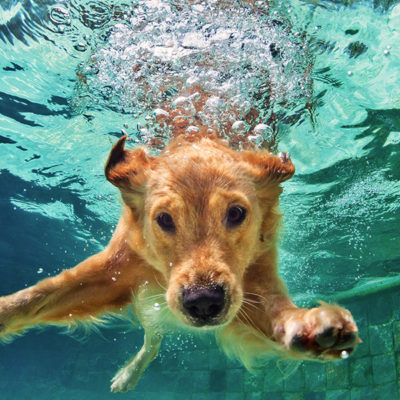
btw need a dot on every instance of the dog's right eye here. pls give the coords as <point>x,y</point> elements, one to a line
<point>235,216</point>
<point>166,223</point>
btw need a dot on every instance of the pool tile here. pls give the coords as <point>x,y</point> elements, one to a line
<point>396,335</point>
<point>315,376</point>
<point>295,382</point>
<point>380,339</point>
<point>362,393</point>
<point>361,372</point>
<point>382,310</point>
<point>273,396</point>
<point>272,383</point>
<point>383,368</point>
<point>386,392</point>
<point>253,383</point>
<point>234,380</point>
<point>338,395</point>
<point>216,359</point>
<point>293,396</point>
<point>396,303</point>
<point>217,381</point>
<point>337,375</point>
<point>232,396</point>
<point>201,381</point>
<point>196,360</point>
<point>255,396</point>
<point>315,396</point>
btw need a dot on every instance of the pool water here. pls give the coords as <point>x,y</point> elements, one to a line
<point>67,92</point>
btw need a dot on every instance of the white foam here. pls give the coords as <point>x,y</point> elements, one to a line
<point>226,49</point>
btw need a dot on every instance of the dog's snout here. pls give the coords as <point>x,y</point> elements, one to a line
<point>205,303</point>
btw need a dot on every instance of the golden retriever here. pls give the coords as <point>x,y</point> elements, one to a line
<point>196,247</point>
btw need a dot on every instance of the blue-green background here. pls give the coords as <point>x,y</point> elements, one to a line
<point>341,236</point>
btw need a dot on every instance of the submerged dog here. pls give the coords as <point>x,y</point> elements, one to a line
<point>195,248</point>
<point>199,229</point>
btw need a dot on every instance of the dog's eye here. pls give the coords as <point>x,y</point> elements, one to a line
<point>166,223</point>
<point>235,216</point>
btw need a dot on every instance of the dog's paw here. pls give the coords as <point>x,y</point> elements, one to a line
<point>126,379</point>
<point>326,332</point>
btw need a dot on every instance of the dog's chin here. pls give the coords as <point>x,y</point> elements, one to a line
<point>206,325</point>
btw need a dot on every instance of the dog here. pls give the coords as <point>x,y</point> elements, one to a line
<point>195,248</point>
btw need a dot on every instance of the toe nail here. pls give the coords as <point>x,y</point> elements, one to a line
<point>348,339</point>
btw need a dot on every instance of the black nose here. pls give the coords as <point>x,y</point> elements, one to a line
<point>203,303</point>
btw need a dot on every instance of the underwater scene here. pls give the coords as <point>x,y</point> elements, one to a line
<point>324,78</point>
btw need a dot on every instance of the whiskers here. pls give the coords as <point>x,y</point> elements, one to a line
<point>159,284</point>
<point>261,299</point>
<point>251,302</point>
<point>157,296</point>
<point>251,306</point>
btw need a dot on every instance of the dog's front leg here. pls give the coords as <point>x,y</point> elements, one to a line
<point>127,378</point>
<point>323,332</point>
<point>102,283</point>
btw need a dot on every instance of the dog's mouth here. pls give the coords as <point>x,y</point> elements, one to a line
<point>205,306</point>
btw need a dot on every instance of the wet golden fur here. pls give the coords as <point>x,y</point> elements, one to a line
<point>195,180</point>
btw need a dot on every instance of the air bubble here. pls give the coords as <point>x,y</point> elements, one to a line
<point>160,113</point>
<point>344,355</point>
<point>80,46</point>
<point>262,129</point>
<point>170,47</point>
<point>192,129</point>
<point>59,15</point>
<point>239,127</point>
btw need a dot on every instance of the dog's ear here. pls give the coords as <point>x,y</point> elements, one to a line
<point>267,172</point>
<point>128,170</point>
<point>267,169</point>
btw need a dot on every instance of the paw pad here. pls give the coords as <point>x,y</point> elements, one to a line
<point>326,332</point>
<point>331,341</point>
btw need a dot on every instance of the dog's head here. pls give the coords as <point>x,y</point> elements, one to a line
<point>201,214</point>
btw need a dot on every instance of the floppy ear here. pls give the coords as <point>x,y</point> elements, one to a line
<point>268,171</point>
<point>128,170</point>
<point>267,168</point>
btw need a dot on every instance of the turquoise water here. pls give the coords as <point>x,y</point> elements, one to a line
<point>338,106</point>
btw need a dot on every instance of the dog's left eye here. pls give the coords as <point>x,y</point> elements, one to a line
<point>235,216</point>
<point>166,223</point>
